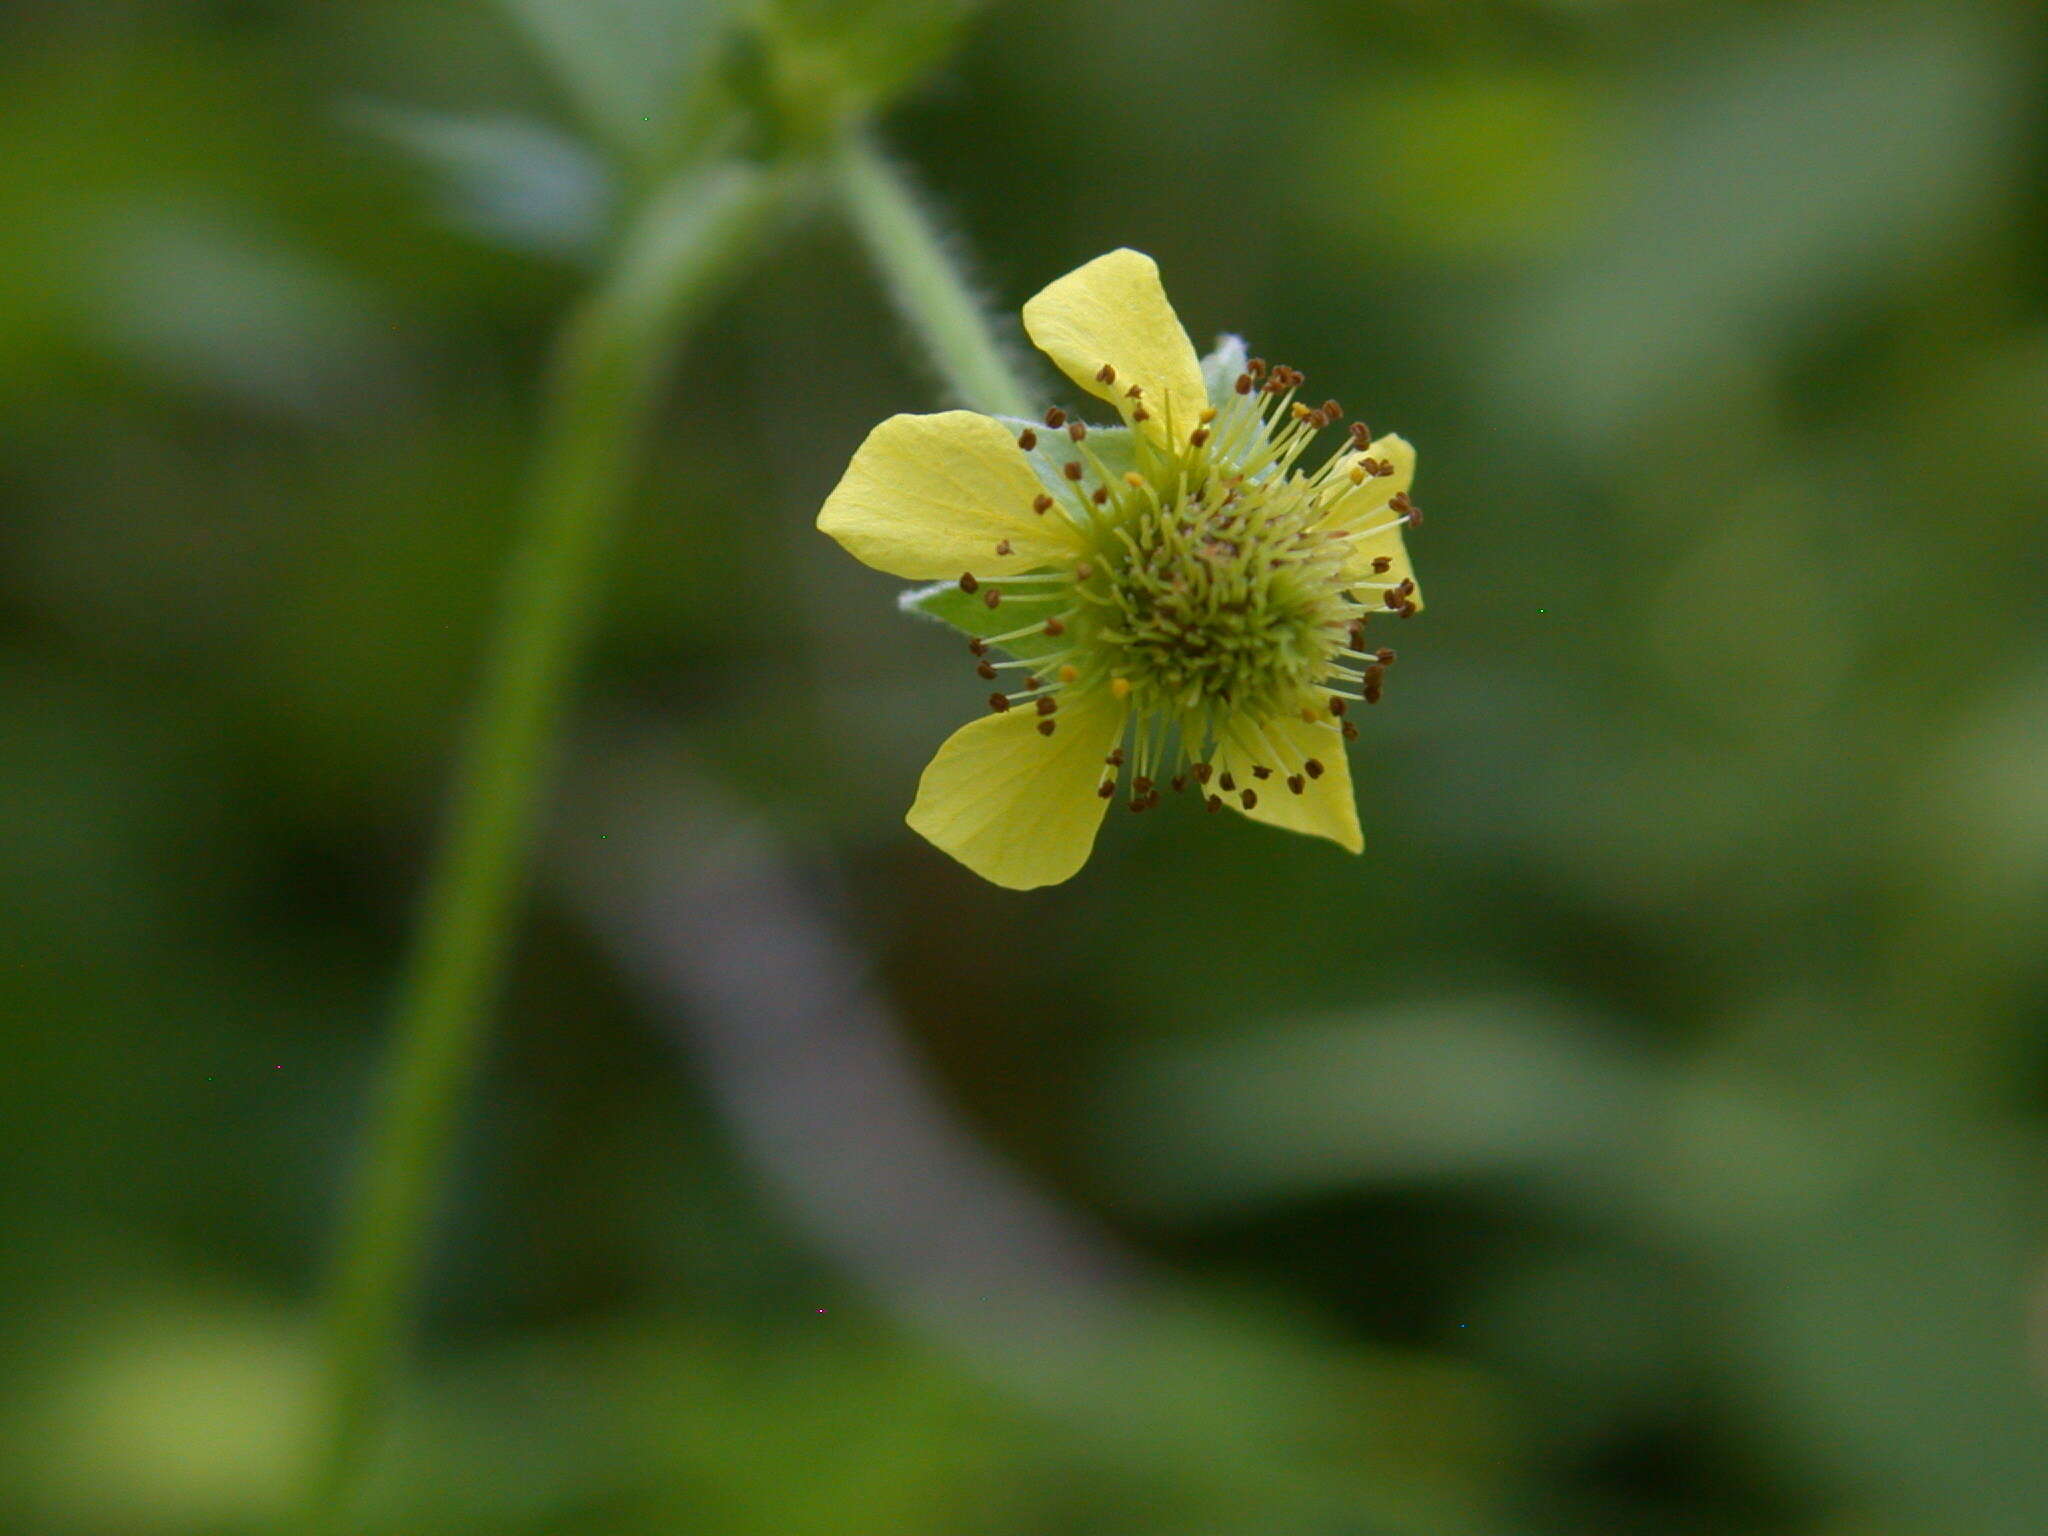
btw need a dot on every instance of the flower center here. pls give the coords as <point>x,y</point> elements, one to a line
<point>1221,600</point>
<point>1216,597</point>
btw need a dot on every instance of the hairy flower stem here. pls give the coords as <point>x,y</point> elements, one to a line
<point>925,281</point>
<point>612,358</point>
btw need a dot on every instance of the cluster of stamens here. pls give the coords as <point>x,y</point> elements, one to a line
<point>1215,595</point>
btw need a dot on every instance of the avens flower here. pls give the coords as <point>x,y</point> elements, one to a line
<point>1180,602</point>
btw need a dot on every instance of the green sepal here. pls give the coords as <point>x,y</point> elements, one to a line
<point>945,602</point>
<point>1114,448</point>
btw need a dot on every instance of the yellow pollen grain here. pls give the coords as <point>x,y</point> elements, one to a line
<point>1120,687</point>
<point>1069,673</point>
<point>1133,479</point>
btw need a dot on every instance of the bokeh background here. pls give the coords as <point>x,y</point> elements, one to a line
<point>1646,1135</point>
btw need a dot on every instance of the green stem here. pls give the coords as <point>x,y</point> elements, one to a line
<point>924,280</point>
<point>612,360</point>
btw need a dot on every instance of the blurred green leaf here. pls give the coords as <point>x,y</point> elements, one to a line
<point>628,65</point>
<point>512,181</point>
<point>1476,1086</point>
<point>1829,148</point>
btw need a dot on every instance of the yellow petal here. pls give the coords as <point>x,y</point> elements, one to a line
<point>1326,806</point>
<point>1113,311</point>
<point>1018,808</point>
<point>931,496</point>
<point>1364,507</point>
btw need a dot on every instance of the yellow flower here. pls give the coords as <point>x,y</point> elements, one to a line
<point>1175,597</point>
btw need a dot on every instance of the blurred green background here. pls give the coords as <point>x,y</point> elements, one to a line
<point>1646,1135</point>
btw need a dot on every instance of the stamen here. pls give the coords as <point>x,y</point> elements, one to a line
<point>1047,727</point>
<point>968,583</point>
<point>1105,374</point>
<point>1041,503</point>
<point>1027,439</point>
<point>1055,417</point>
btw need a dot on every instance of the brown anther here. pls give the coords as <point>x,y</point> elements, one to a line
<point>1256,366</point>
<point>1372,694</point>
<point>1396,598</point>
<point>1031,683</point>
<point>1105,374</point>
<point>1047,727</point>
<point>999,702</point>
<point>1116,758</point>
<point>1047,706</point>
<point>1407,586</point>
<point>1350,731</point>
<point>1338,706</point>
<point>1249,799</point>
<point>1055,417</point>
<point>1384,656</point>
<point>1381,564</point>
<point>967,582</point>
<point>1244,383</point>
<point>1054,627</point>
<point>1361,434</point>
<point>1180,782</point>
<point>1312,767</point>
<point>1261,771</point>
<point>1041,503</point>
<point>1332,411</point>
<point>1225,782</point>
<point>1382,467</point>
<point>987,670</point>
<point>1071,469</point>
<point>1139,413</point>
<point>1106,789</point>
<point>977,646</point>
<point>993,597</point>
<point>1214,803</point>
<point>1134,391</point>
<point>1141,786</point>
<point>1077,430</point>
<point>1296,784</point>
<point>1101,495</point>
<point>1137,806</point>
<point>1202,772</point>
<point>1027,439</point>
<point>1375,675</point>
<point>1004,547</point>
